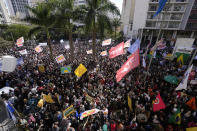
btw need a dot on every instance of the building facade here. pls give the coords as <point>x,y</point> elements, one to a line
<point>173,20</point>
<point>127,16</point>
<point>192,21</point>
<point>5,14</point>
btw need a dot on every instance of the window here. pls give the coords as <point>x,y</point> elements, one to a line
<point>161,24</point>
<point>152,8</point>
<point>150,15</point>
<point>179,8</point>
<point>150,24</point>
<point>176,17</point>
<point>153,0</point>
<point>167,8</point>
<point>174,25</point>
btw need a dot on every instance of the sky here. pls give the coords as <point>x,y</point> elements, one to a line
<point>118,4</point>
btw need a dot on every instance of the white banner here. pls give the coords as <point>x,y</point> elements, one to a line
<point>89,52</point>
<point>106,42</point>
<point>103,53</point>
<point>23,52</point>
<point>43,44</point>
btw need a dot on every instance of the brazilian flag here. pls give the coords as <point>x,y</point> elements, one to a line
<point>182,58</point>
<point>175,118</point>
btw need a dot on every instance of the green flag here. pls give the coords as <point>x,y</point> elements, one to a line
<point>171,79</point>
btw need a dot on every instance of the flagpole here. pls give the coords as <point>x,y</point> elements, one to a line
<point>190,63</point>
<point>152,55</point>
<point>156,44</point>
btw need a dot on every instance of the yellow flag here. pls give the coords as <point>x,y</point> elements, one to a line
<point>41,68</point>
<point>191,129</point>
<point>40,103</point>
<point>48,98</point>
<point>130,103</point>
<point>81,69</point>
<point>180,59</point>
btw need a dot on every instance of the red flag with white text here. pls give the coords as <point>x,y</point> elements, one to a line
<point>132,62</point>
<point>117,50</point>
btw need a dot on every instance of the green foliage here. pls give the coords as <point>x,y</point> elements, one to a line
<point>5,43</point>
<point>15,31</point>
<point>42,18</point>
<point>96,18</point>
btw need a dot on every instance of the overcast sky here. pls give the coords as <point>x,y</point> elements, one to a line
<point>118,4</point>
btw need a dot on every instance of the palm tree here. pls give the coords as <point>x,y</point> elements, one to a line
<point>96,17</point>
<point>65,14</point>
<point>116,24</point>
<point>43,19</point>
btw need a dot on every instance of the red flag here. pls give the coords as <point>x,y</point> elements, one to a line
<point>192,103</point>
<point>158,103</point>
<point>132,62</point>
<point>117,50</point>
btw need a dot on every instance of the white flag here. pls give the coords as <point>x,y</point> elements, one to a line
<point>127,44</point>
<point>183,84</point>
<point>106,42</point>
<point>23,52</point>
<point>144,62</point>
<point>155,54</point>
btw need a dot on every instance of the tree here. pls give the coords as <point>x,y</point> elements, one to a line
<point>43,18</point>
<point>5,43</point>
<point>116,24</point>
<point>96,17</point>
<point>15,31</point>
<point>65,14</point>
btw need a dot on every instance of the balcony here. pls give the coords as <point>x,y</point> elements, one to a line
<point>176,17</point>
<point>174,25</point>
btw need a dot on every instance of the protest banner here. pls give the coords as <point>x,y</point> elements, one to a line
<point>106,42</point>
<point>89,112</point>
<point>38,49</point>
<point>89,52</point>
<point>132,62</point>
<point>66,69</point>
<point>23,52</point>
<point>117,50</point>
<point>8,60</point>
<point>81,69</point>
<point>20,42</point>
<point>60,58</point>
<point>103,53</point>
<point>68,111</point>
<point>43,44</point>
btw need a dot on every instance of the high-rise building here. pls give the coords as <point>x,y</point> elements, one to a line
<point>172,20</point>
<point>5,13</point>
<point>192,21</point>
<point>127,16</point>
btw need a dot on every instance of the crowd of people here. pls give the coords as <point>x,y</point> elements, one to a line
<point>99,82</point>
